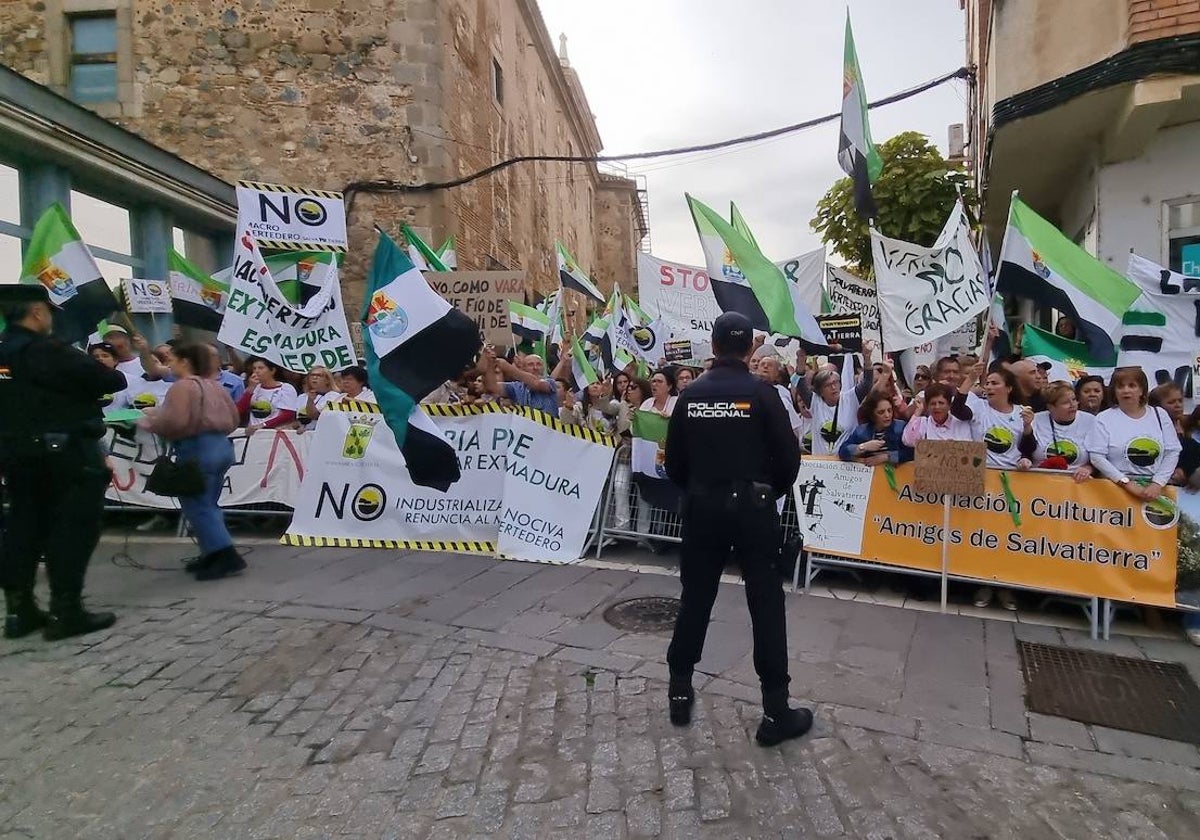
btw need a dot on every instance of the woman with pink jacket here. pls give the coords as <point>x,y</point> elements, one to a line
<point>934,417</point>
<point>197,417</point>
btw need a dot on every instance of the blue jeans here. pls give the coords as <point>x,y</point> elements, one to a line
<point>213,452</point>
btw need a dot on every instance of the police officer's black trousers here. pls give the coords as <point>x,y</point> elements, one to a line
<point>712,535</point>
<point>55,504</point>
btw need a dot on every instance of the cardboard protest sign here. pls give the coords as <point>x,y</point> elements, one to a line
<point>958,467</point>
<point>484,296</point>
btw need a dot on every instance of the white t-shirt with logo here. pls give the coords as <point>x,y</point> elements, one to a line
<point>823,422</point>
<point>117,399</point>
<point>1146,447</point>
<point>132,368</point>
<point>266,403</point>
<point>1069,441</point>
<point>365,395</point>
<point>145,393</point>
<point>319,401</point>
<point>1000,431</point>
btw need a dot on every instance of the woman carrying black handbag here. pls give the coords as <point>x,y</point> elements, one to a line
<point>197,416</point>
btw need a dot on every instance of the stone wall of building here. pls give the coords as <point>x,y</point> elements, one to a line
<point>514,216</point>
<point>617,213</point>
<point>324,93</point>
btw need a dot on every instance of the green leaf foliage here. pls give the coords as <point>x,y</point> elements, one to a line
<point>914,194</point>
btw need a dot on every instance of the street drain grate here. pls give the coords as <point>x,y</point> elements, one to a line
<point>1135,695</point>
<point>643,615</point>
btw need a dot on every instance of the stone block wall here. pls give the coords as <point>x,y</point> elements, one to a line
<point>323,93</point>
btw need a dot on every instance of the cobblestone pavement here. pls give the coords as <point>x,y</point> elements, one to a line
<point>340,694</point>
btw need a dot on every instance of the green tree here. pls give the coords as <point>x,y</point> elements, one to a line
<point>914,195</point>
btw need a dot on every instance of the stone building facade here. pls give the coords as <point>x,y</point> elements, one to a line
<point>330,93</point>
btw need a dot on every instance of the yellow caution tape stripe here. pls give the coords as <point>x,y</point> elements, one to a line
<point>280,188</point>
<point>460,547</point>
<point>461,410</point>
<point>566,428</point>
<point>280,245</point>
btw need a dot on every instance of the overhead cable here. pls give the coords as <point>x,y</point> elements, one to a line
<point>386,185</point>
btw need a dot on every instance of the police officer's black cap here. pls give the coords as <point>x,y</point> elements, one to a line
<point>732,333</point>
<point>11,293</point>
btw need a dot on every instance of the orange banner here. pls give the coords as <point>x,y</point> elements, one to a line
<point>1089,539</point>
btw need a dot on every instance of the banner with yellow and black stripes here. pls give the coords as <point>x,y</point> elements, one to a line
<point>530,485</point>
<point>292,218</point>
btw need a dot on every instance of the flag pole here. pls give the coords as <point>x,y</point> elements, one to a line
<point>878,302</point>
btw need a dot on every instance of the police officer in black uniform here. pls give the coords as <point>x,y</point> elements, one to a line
<point>732,450</point>
<point>53,468</point>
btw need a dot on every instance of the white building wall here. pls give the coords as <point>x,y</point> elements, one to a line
<point>1131,195</point>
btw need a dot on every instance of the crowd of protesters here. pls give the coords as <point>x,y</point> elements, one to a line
<point>857,411</point>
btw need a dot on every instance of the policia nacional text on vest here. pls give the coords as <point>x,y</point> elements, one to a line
<point>53,468</point>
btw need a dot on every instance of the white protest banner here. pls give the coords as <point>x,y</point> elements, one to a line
<point>292,218</point>
<point>260,321</point>
<point>831,503</point>
<point>483,295</point>
<point>962,339</point>
<point>679,294</point>
<point>682,296</point>
<point>146,296</point>
<point>267,467</point>
<point>807,271</point>
<point>515,497</point>
<point>547,509</point>
<point>848,293</point>
<point>1159,333</point>
<point>925,293</point>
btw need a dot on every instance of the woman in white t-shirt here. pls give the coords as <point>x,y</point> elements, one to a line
<point>270,403</point>
<point>106,355</point>
<point>1132,443</point>
<point>353,381</point>
<point>833,402</point>
<point>1006,429</point>
<point>320,388</point>
<point>662,393</point>
<point>1062,430</point>
<point>1007,432</point>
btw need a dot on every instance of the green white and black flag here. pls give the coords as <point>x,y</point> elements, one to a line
<point>856,151</point>
<point>197,299</point>
<point>58,259</point>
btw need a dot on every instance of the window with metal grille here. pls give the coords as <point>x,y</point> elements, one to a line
<point>93,57</point>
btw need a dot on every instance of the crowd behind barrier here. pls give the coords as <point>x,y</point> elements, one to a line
<point>871,419</point>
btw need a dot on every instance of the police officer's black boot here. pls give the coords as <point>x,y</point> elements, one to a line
<point>680,698</point>
<point>69,618</point>
<point>781,722</point>
<point>21,614</point>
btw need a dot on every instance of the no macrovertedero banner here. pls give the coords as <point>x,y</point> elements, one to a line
<point>529,486</point>
<point>260,321</point>
<point>1089,539</point>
